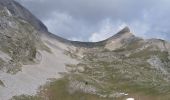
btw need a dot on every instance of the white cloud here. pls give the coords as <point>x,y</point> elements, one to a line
<point>83,19</point>
<point>58,21</point>
<point>66,26</point>
<point>107,29</point>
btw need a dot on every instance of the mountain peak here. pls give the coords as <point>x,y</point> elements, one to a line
<point>18,10</point>
<point>119,39</point>
<point>125,30</point>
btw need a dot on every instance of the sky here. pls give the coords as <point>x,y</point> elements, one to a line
<point>95,20</point>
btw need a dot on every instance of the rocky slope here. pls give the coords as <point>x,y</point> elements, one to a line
<point>37,65</point>
<point>124,65</point>
<point>19,11</point>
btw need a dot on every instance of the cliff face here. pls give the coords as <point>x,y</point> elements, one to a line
<point>20,36</point>
<point>19,11</point>
<point>17,40</point>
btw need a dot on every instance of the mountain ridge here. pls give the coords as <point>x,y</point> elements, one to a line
<point>18,10</point>
<point>38,65</point>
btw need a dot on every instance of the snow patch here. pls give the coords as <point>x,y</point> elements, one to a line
<point>130,99</point>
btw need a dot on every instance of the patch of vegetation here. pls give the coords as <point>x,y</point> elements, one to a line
<point>26,97</point>
<point>14,68</point>
<point>115,72</point>
<point>135,44</point>
<point>74,56</point>
<point>42,46</point>
<point>2,84</point>
<point>1,63</point>
<point>163,56</point>
<point>58,90</point>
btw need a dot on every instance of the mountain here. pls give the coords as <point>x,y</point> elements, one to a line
<point>19,11</point>
<point>38,65</point>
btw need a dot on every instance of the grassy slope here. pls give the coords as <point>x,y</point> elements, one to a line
<point>57,90</point>
<point>132,75</point>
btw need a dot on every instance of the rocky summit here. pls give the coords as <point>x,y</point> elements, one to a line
<point>38,65</point>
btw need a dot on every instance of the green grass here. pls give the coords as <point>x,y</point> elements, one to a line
<point>126,74</point>
<point>58,90</point>
<point>26,97</point>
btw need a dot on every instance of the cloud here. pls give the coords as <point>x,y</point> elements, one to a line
<point>94,20</point>
<point>106,30</point>
<point>66,26</point>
